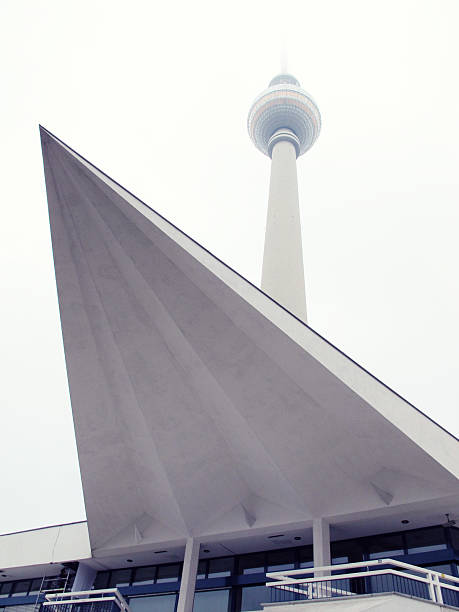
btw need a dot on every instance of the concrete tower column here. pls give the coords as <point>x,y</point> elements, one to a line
<point>283,270</point>
<point>284,123</point>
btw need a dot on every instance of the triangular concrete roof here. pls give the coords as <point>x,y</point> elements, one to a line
<point>202,404</point>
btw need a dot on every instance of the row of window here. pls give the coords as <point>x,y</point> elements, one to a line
<point>221,600</point>
<point>236,599</point>
<point>21,588</point>
<point>386,545</point>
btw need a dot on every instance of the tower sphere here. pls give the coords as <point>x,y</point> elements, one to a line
<point>284,106</point>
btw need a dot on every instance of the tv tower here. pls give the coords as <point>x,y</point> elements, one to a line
<point>283,123</point>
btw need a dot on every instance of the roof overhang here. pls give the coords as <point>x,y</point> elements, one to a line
<point>40,552</point>
<point>204,408</point>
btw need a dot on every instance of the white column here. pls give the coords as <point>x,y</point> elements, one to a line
<point>84,578</point>
<point>321,544</point>
<point>283,270</point>
<point>190,570</point>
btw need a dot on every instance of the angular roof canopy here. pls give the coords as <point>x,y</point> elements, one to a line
<point>203,407</point>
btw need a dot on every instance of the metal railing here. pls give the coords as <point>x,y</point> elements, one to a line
<point>97,600</point>
<point>364,578</point>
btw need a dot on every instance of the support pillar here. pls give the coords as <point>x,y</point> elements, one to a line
<point>84,578</point>
<point>321,544</point>
<point>283,270</point>
<point>190,570</point>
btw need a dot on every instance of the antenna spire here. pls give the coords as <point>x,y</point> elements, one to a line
<point>283,57</point>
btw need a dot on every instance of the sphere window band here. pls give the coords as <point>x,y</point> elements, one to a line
<point>284,105</point>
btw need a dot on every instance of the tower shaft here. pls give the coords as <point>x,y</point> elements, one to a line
<point>283,270</point>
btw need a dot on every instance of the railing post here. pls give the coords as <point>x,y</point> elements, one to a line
<point>431,587</point>
<point>438,589</point>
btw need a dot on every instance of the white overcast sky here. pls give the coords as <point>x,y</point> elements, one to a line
<point>156,94</point>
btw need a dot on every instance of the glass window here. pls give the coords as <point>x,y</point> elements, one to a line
<point>21,588</point>
<point>346,551</point>
<point>253,597</point>
<point>211,601</point>
<point>35,586</point>
<point>5,588</point>
<point>221,567</point>
<point>144,575</point>
<point>154,603</point>
<point>425,540</point>
<point>281,560</point>
<point>386,546</point>
<point>443,568</point>
<point>202,570</point>
<point>101,581</point>
<point>340,560</point>
<point>454,531</point>
<point>168,573</point>
<point>306,558</point>
<point>120,578</point>
<point>252,564</point>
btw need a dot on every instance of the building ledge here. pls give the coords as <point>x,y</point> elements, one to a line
<point>386,601</point>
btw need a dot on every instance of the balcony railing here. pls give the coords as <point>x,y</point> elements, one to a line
<point>364,578</point>
<point>98,600</point>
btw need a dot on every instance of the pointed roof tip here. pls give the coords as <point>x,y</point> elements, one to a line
<point>44,133</point>
<point>106,178</point>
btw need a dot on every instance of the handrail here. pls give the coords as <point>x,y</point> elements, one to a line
<point>93,596</point>
<point>321,586</point>
<point>372,563</point>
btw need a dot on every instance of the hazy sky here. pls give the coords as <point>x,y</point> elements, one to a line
<point>156,94</point>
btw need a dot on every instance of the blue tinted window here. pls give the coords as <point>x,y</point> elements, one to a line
<point>252,564</point>
<point>220,567</point>
<point>253,597</point>
<point>211,601</point>
<point>168,573</point>
<point>425,540</point>
<point>202,570</point>
<point>154,603</point>
<point>306,558</point>
<point>281,560</point>
<point>346,551</point>
<point>21,588</point>
<point>387,546</point>
<point>101,581</point>
<point>454,531</point>
<point>144,575</point>
<point>35,586</point>
<point>120,578</point>
<point>443,568</point>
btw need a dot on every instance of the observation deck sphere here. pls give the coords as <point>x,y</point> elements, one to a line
<point>284,105</point>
